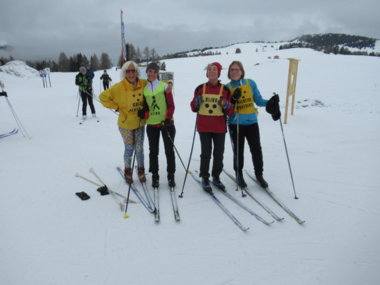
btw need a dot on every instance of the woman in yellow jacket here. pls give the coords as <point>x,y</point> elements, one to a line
<point>127,97</point>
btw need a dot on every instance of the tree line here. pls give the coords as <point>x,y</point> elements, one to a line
<point>68,64</point>
<point>72,63</point>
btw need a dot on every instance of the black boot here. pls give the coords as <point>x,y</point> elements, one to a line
<point>240,179</point>
<point>262,181</point>
<point>206,185</point>
<point>216,181</point>
<point>171,180</point>
<point>128,175</point>
<point>155,180</point>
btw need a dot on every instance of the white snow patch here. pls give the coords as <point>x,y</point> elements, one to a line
<point>19,68</point>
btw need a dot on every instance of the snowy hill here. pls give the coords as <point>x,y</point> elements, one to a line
<point>322,41</point>
<point>18,68</point>
<point>49,236</point>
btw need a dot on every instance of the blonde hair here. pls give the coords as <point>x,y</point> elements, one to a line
<point>238,63</point>
<point>125,67</point>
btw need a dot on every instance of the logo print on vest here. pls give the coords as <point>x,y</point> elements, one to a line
<point>154,104</point>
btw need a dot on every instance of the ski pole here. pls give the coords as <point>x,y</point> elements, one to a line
<point>78,102</point>
<point>20,125</point>
<point>176,150</point>
<point>133,165</point>
<point>191,153</point>
<point>287,156</point>
<point>237,148</point>
<point>237,154</point>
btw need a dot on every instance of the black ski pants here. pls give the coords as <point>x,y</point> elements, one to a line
<point>252,134</point>
<point>154,143</point>
<point>207,142</point>
<point>87,96</point>
<point>106,85</point>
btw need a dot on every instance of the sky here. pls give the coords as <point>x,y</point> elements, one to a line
<point>41,29</point>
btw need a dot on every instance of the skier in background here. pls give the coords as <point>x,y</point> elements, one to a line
<point>160,105</point>
<point>243,124</point>
<point>90,73</point>
<point>127,98</point>
<point>106,80</point>
<point>212,102</point>
<point>84,82</point>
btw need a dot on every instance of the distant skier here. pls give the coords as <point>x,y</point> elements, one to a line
<point>84,81</point>
<point>90,73</point>
<point>106,80</point>
<point>244,125</point>
<point>159,99</point>
<point>212,102</point>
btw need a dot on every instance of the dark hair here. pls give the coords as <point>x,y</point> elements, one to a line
<point>240,66</point>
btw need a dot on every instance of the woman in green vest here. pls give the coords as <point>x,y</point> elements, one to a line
<point>160,103</point>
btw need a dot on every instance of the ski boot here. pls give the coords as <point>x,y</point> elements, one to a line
<point>240,179</point>
<point>206,185</point>
<point>216,181</point>
<point>128,175</point>
<point>155,180</point>
<point>261,181</point>
<point>141,174</point>
<point>171,180</point>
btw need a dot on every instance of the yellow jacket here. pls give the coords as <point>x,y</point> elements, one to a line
<point>127,99</point>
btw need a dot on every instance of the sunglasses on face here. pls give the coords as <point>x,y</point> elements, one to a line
<point>130,71</point>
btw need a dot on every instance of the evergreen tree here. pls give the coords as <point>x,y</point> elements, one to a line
<point>63,63</point>
<point>138,55</point>
<point>105,62</point>
<point>154,55</point>
<point>94,61</point>
<point>146,53</point>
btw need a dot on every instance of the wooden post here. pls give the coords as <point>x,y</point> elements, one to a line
<point>291,90</point>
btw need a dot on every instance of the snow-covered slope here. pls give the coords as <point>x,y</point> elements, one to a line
<point>49,236</point>
<point>18,68</point>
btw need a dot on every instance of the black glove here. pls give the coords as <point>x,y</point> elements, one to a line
<point>236,95</point>
<point>3,94</point>
<point>141,113</point>
<point>273,107</point>
<point>166,123</point>
<point>83,195</point>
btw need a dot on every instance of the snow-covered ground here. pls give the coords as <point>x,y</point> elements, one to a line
<point>49,236</point>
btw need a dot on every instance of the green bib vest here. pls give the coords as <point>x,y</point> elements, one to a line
<point>156,101</point>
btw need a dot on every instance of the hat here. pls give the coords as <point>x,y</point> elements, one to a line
<point>82,69</point>
<point>153,66</point>
<point>218,66</point>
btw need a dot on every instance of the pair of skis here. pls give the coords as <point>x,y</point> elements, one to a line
<point>81,122</point>
<point>145,198</point>
<point>226,211</point>
<point>12,132</point>
<point>272,196</point>
<point>173,199</point>
<point>152,205</point>
<point>104,190</point>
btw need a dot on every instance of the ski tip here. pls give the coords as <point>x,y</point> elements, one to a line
<point>126,216</point>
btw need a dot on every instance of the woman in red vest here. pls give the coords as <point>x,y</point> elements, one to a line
<point>212,102</point>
